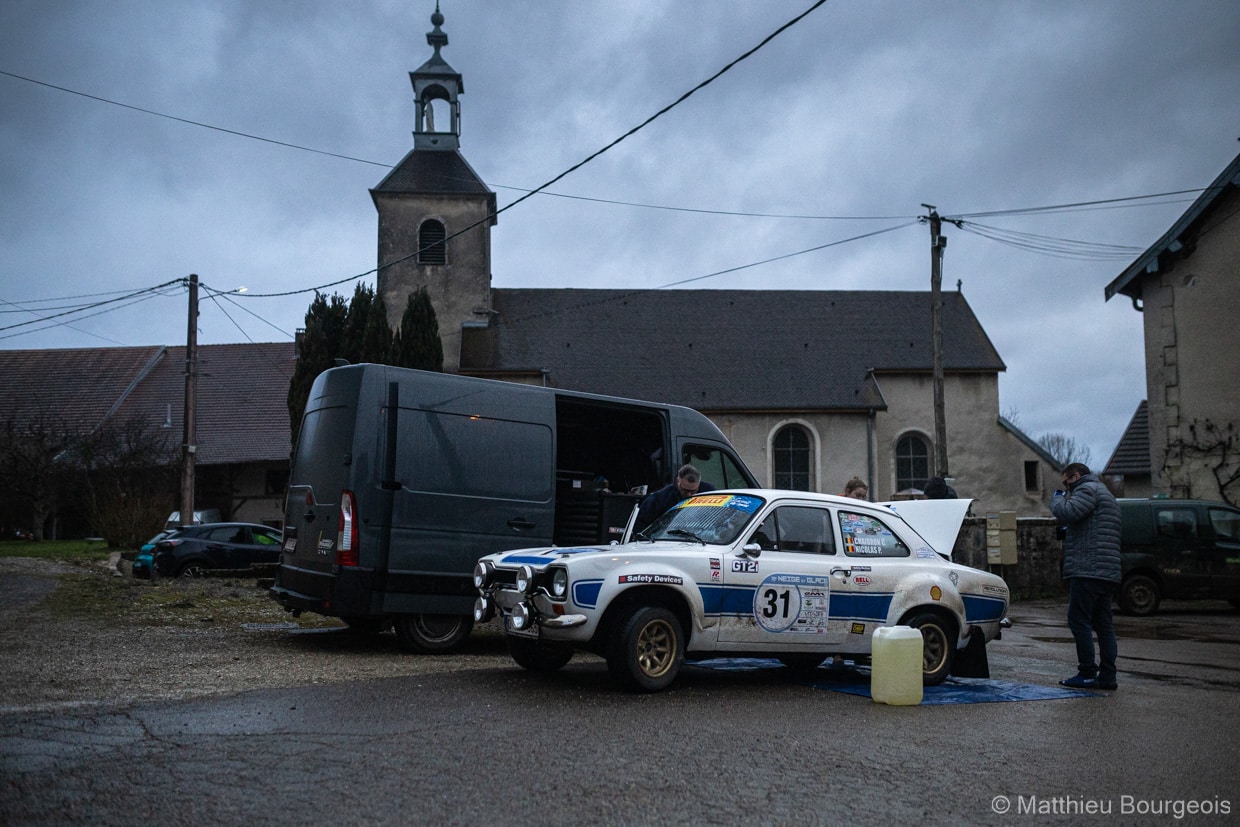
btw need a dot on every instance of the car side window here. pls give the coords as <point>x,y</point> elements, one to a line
<point>1177,523</point>
<point>1226,524</point>
<point>866,536</point>
<point>796,528</point>
<point>221,535</point>
<point>266,538</point>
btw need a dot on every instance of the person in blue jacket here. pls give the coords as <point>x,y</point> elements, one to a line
<point>1091,548</point>
<point>688,482</point>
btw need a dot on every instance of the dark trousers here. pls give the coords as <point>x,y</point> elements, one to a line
<point>1089,613</point>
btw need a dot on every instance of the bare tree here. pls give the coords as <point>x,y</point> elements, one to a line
<point>1064,449</point>
<point>33,443</point>
<point>1213,446</point>
<point>129,470</point>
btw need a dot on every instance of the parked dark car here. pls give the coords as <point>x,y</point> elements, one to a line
<point>1182,549</point>
<point>194,549</point>
<point>143,561</point>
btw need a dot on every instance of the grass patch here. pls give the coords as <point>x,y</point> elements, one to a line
<point>71,551</point>
<point>123,601</point>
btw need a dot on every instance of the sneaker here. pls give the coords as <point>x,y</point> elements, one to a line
<point>1080,682</point>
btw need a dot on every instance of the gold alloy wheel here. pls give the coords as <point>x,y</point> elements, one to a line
<point>934,643</point>
<point>656,648</point>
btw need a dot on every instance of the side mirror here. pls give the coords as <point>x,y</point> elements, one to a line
<point>751,550</point>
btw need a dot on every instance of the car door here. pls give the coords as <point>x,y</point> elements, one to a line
<point>783,595</point>
<point>874,560</point>
<point>1176,549</point>
<point>1225,554</point>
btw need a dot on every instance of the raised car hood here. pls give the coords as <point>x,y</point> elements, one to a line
<point>937,521</point>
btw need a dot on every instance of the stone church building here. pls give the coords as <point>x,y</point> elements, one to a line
<point>812,387</point>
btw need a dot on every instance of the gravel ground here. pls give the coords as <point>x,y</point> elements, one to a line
<point>82,634</point>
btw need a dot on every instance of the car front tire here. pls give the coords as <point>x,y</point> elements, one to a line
<point>1139,596</point>
<point>646,650</point>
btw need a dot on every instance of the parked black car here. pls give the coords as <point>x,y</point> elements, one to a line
<point>1178,549</point>
<point>194,549</point>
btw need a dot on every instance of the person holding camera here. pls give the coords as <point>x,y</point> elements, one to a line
<point>1091,519</point>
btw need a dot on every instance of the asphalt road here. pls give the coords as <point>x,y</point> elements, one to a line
<point>488,743</point>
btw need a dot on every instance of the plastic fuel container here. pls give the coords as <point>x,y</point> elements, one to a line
<point>895,666</point>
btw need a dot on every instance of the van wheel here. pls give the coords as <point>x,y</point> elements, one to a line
<point>938,646</point>
<point>432,634</point>
<point>537,655</point>
<point>1139,596</point>
<point>646,649</point>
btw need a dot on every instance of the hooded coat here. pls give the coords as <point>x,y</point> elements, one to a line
<point>1091,547</point>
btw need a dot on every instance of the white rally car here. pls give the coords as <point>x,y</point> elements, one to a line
<point>750,573</point>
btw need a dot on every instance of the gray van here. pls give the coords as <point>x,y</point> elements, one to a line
<point>402,479</point>
<point>1178,549</point>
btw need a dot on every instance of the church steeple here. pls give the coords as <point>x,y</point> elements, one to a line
<point>436,81</point>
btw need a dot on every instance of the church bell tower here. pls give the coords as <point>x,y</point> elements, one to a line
<point>435,213</point>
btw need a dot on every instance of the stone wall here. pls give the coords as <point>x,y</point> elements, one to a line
<point>1039,556</point>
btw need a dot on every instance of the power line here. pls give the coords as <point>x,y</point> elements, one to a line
<point>152,291</point>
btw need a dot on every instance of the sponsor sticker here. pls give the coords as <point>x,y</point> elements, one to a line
<point>857,629</point>
<point>745,565</point>
<point>936,593</point>
<point>994,590</point>
<point>861,580</point>
<point>668,579</point>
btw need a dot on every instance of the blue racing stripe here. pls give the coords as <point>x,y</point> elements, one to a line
<point>979,609</point>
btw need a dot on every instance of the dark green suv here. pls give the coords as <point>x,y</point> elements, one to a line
<point>1178,549</point>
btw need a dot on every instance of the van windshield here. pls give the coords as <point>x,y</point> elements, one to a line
<point>714,519</point>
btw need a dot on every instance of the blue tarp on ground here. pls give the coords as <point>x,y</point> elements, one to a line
<point>854,681</point>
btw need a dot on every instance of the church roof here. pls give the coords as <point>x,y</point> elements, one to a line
<point>724,349</point>
<point>437,173</point>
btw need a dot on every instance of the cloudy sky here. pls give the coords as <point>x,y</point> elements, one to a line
<point>841,127</point>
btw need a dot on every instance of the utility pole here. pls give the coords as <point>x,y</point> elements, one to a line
<point>189,443</point>
<point>938,242</point>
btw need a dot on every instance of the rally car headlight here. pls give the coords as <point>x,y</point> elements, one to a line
<point>525,579</point>
<point>484,573</point>
<point>559,583</point>
<point>484,610</point>
<point>521,616</point>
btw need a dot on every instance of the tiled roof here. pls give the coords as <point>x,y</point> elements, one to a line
<point>242,390</point>
<point>725,349</point>
<point>439,172</point>
<point>1132,454</point>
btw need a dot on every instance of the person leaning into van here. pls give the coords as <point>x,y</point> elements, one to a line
<point>857,489</point>
<point>1091,550</point>
<point>687,483</point>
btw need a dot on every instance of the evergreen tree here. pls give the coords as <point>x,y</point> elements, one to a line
<point>377,338</point>
<point>320,345</point>
<point>417,342</point>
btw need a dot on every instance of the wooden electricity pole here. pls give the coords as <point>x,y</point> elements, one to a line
<point>189,443</point>
<point>938,241</point>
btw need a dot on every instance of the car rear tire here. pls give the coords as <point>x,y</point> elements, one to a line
<point>1139,596</point>
<point>938,646</point>
<point>539,655</point>
<point>430,634</point>
<point>646,650</point>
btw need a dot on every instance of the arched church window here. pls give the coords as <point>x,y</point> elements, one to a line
<point>791,459</point>
<point>432,249</point>
<point>912,462</point>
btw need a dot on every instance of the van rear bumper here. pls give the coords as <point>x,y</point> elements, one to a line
<point>346,592</point>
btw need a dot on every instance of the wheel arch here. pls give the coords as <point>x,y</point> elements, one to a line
<point>665,596</point>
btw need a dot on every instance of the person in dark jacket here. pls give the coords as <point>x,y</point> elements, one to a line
<point>1091,547</point>
<point>936,488</point>
<point>688,482</point>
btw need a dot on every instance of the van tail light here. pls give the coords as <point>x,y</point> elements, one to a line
<point>347,532</point>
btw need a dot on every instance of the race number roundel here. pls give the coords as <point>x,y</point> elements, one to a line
<point>777,602</point>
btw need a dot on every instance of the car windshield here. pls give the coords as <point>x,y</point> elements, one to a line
<point>715,519</point>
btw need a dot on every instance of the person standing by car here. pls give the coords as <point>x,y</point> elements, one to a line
<point>688,482</point>
<point>1091,518</point>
